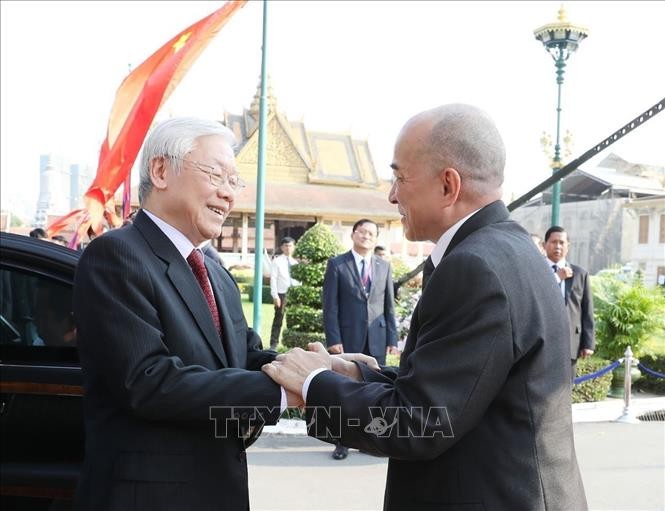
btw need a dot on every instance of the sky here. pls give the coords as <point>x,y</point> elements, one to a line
<point>357,67</point>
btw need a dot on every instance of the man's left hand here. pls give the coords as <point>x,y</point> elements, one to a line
<point>585,353</point>
<point>290,370</point>
<point>393,350</point>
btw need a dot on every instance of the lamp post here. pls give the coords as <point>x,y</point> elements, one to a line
<point>560,39</point>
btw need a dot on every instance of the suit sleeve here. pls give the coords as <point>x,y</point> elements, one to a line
<point>463,353</point>
<point>330,305</point>
<point>123,349</point>
<point>389,309</point>
<point>587,339</point>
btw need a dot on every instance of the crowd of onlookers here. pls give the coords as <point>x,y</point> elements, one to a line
<point>40,233</point>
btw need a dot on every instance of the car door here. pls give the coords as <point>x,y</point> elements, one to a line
<point>41,418</point>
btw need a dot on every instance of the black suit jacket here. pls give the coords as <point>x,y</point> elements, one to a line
<point>350,315</point>
<point>579,302</point>
<point>154,370</point>
<point>478,415</point>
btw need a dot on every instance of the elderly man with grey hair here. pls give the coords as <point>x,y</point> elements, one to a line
<point>478,415</point>
<point>173,387</point>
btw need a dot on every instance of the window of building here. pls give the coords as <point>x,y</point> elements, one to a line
<point>643,236</point>
<point>661,237</point>
<point>660,275</point>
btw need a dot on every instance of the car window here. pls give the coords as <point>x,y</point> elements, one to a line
<point>35,311</point>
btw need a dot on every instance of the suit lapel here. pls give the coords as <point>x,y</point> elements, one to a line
<point>568,285</point>
<point>221,288</point>
<point>183,280</point>
<point>377,274</point>
<point>351,266</point>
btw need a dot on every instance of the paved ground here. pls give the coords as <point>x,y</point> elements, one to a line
<point>623,467</point>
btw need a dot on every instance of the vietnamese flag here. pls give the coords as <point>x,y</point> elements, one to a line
<point>138,98</point>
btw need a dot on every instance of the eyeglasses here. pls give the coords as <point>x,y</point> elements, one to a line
<point>217,179</point>
<point>365,232</point>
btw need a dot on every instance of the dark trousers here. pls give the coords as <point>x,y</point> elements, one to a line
<point>381,360</point>
<point>277,320</point>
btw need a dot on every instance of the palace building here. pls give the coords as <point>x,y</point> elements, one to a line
<point>310,177</point>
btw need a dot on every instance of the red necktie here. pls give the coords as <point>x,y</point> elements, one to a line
<point>364,276</point>
<point>195,261</point>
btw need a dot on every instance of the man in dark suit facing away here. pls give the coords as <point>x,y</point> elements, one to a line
<point>478,415</point>
<point>358,302</point>
<point>575,286</point>
<point>173,387</point>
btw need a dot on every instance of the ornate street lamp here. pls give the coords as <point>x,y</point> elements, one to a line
<point>560,40</point>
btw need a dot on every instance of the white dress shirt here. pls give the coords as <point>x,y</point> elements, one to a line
<point>359,259</point>
<point>280,275</point>
<point>560,264</point>
<point>445,239</point>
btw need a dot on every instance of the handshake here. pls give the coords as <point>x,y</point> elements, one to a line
<point>292,369</point>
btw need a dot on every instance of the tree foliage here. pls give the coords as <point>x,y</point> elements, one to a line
<point>626,314</point>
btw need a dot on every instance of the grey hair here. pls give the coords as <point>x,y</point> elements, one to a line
<point>174,138</point>
<point>465,138</point>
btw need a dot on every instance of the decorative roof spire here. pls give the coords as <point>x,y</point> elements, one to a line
<point>270,97</point>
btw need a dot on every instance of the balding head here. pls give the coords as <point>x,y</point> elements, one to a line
<point>448,162</point>
<point>465,138</point>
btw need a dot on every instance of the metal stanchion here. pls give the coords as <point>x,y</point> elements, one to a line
<point>628,363</point>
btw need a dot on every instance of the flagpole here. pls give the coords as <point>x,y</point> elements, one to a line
<point>260,182</point>
<point>127,186</point>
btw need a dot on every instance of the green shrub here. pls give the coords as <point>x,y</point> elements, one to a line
<point>266,297</point>
<point>304,315</point>
<point>305,295</point>
<point>595,389</point>
<point>243,275</point>
<point>392,360</point>
<point>649,383</point>
<point>305,319</point>
<point>317,244</point>
<point>310,273</point>
<point>295,339</point>
<point>400,268</point>
<point>626,314</point>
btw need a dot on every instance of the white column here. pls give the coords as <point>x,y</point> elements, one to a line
<point>244,240</point>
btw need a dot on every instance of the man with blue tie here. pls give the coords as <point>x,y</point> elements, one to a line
<point>358,302</point>
<point>575,288</point>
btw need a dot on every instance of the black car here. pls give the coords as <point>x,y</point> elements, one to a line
<point>41,416</point>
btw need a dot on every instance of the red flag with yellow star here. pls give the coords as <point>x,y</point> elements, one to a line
<point>138,98</point>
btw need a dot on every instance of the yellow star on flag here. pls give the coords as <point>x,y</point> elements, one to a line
<point>177,46</point>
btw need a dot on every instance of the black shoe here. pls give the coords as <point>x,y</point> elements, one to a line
<point>340,452</point>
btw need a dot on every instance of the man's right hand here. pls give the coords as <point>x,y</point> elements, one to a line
<point>336,349</point>
<point>277,302</point>
<point>564,273</point>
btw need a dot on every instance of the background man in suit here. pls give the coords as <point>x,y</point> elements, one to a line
<point>478,414</point>
<point>358,302</point>
<point>280,282</point>
<point>575,288</point>
<point>168,360</point>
